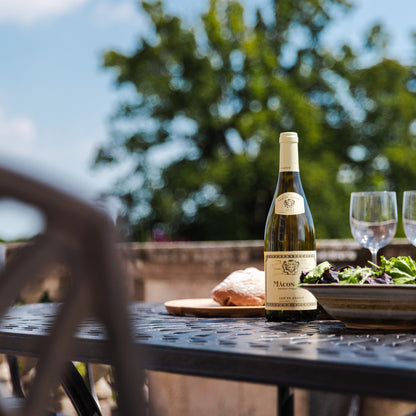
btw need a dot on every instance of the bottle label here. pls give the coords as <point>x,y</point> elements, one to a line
<point>282,270</point>
<point>289,203</point>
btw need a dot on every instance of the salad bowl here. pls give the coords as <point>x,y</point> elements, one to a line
<point>362,306</point>
<point>378,297</point>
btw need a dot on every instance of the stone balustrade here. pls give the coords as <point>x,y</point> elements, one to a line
<point>162,271</point>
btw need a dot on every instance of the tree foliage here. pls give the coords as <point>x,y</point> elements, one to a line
<point>200,132</point>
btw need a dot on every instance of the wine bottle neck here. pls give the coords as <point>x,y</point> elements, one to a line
<point>289,159</point>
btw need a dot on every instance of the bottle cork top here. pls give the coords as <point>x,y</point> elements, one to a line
<point>288,137</point>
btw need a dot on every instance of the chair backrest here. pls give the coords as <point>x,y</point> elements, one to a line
<point>82,237</point>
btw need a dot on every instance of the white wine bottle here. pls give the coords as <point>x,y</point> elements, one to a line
<point>289,242</point>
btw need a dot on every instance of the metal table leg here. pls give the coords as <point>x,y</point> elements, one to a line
<point>72,382</point>
<point>15,376</point>
<point>79,394</point>
<point>285,401</point>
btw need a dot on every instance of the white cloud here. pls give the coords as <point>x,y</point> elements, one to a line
<point>17,134</point>
<point>127,11</point>
<point>28,11</point>
<point>118,12</point>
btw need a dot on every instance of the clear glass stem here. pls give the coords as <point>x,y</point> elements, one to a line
<point>374,252</point>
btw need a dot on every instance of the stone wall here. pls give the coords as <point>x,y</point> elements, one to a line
<point>163,271</point>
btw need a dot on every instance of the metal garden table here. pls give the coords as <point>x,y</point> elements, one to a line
<point>320,355</point>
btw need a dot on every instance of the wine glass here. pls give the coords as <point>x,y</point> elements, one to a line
<point>409,215</point>
<point>373,219</point>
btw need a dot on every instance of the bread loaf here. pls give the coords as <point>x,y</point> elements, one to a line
<point>241,288</point>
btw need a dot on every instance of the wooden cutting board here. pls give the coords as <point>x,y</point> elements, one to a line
<point>208,308</point>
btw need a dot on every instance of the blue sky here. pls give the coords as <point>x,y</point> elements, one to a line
<point>56,100</point>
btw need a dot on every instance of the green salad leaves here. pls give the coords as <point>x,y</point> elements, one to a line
<point>396,270</point>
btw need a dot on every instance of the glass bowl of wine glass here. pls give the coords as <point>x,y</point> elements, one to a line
<point>373,219</point>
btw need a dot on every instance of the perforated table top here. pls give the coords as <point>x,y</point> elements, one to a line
<point>320,354</point>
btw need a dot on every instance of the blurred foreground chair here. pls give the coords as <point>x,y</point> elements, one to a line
<point>84,239</point>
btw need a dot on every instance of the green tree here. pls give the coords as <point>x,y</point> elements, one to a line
<point>212,99</point>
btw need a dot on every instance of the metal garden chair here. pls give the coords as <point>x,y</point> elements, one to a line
<point>84,239</point>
